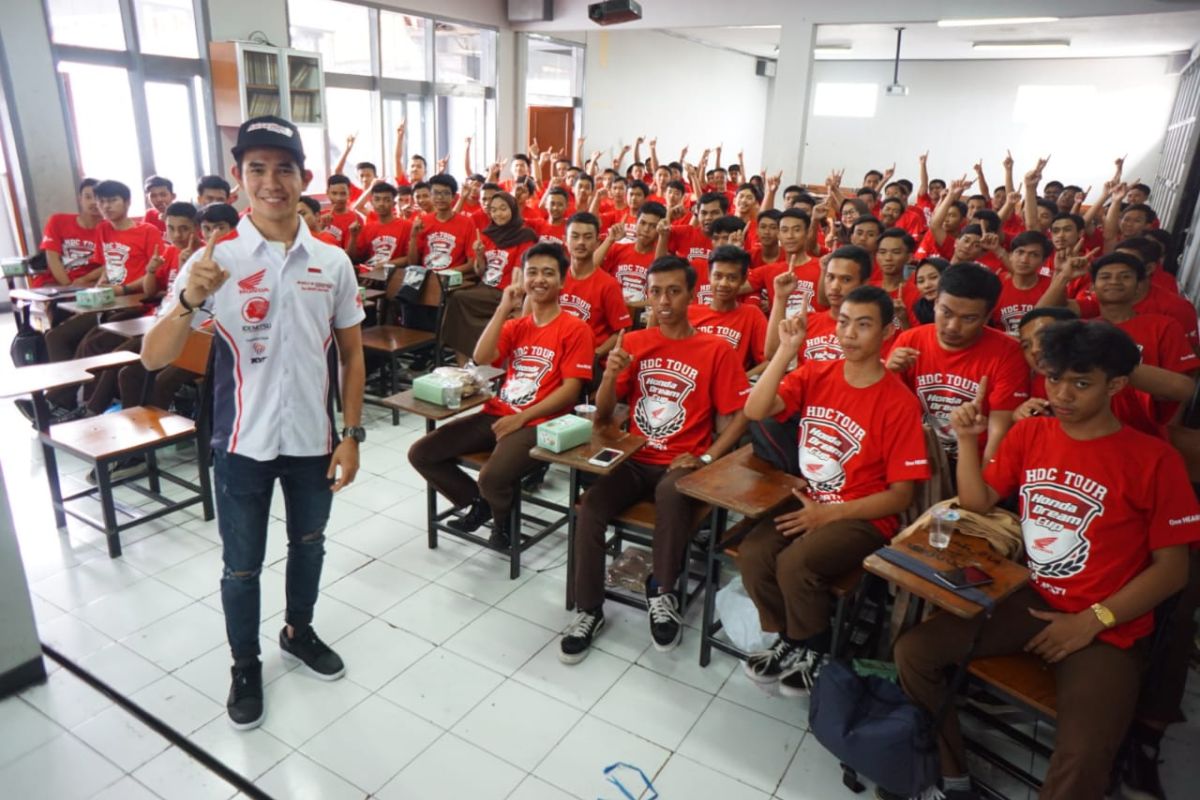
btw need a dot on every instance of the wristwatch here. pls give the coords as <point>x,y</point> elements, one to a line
<point>1106,617</point>
<point>355,432</point>
<point>706,459</point>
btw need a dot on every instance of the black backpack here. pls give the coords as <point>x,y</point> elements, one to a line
<point>29,345</point>
<point>777,443</point>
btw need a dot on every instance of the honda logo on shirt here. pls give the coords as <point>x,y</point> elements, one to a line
<point>256,309</point>
<point>252,284</point>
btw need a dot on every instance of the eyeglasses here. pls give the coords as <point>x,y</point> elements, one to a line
<point>442,194</point>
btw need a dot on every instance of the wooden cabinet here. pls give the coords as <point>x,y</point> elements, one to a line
<point>251,80</point>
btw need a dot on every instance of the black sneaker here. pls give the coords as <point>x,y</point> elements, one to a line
<point>120,470</point>
<point>666,624</point>
<point>797,680</point>
<point>245,703</point>
<point>767,665</point>
<point>534,480</point>
<point>314,654</point>
<point>25,406</point>
<point>499,538</point>
<point>478,513</point>
<point>577,638</point>
<point>1139,780</point>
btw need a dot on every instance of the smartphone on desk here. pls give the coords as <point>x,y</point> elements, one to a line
<point>605,457</point>
<point>963,578</point>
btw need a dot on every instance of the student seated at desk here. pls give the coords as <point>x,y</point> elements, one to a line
<point>743,325</point>
<point>1107,514</point>
<point>682,387</point>
<point>71,243</point>
<point>861,448</point>
<point>549,359</point>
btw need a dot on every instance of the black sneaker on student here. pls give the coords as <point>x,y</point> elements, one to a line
<point>25,406</point>
<point>307,648</point>
<point>766,666</point>
<point>478,513</point>
<point>245,703</point>
<point>577,638</point>
<point>666,624</point>
<point>534,480</point>
<point>120,470</point>
<point>499,538</point>
<point>1139,780</point>
<point>797,680</point>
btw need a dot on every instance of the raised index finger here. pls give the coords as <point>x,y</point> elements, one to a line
<point>208,248</point>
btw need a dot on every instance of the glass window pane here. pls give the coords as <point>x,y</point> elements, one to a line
<point>458,118</point>
<point>166,27</point>
<point>354,112</point>
<point>304,80</point>
<point>198,90</point>
<point>340,32</point>
<point>87,23</point>
<point>552,69</point>
<point>171,135</point>
<point>315,157</point>
<point>417,129</point>
<point>464,54</point>
<point>402,45</point>
<point>105,136</point>
<point>845,99</point>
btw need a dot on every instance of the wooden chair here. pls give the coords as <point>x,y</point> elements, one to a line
<point>138,433</point>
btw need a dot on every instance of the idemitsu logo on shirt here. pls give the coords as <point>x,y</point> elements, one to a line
<point>1055,514</point>
<point>828,439</point>
<point>665,386</point>
<point>529,366</point>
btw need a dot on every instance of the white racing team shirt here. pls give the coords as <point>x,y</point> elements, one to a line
<point>274,349</point>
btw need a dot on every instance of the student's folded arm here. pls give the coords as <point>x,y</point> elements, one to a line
<point>1162,384</point>
<point>91,278</point>
<point>607,345</point>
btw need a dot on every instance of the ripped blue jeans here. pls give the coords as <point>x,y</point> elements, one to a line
<point>244,488</point>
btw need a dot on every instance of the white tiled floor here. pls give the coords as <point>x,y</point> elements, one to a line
<point>453,686</point>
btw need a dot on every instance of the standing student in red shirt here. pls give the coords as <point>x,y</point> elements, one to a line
<point>945,363</point>
<point>893,252</point>
<point>629,262</point>
<point>498,253</point>
<point>742,325</point>
<point>591,293</point>
<point>547,356</point>
<point>1107,515</point>
<point>340,217</point>
<point>845,270</point>
<point>71,242</point>
<point>694,242</point>
<point>685,391</point>
<point>382,242</point>
<point>861,452</point>
<point>160,193</point>
<point>1023,286</point>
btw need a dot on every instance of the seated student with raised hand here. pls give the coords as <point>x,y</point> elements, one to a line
<point>845,270</point>
<point>861,449</point>
<point>946,362</point>
<point>893,252</point>
<point>685,391</point>
<point>793,236</point>
<point>71,242</point>
<point>381,242</point>
<point>944,224</point>
<point>1112,546</point>
<point>547,355</point>
<point>591,293</point>
<point>627,261</point>
<point>1023,285</point>
<point>499,252</point>
<point>341,218</point>
<point>743,325</point>
<point>553,228</point>
<point>694,242</point>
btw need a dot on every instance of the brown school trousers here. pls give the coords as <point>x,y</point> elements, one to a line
<point>1097,690</point>
<point>434,454</point>
<point>788,577</point>
<point>626,485</point>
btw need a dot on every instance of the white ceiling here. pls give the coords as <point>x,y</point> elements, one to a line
<point>1090,37</point>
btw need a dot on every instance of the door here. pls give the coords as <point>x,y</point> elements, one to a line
<point>554,129</point>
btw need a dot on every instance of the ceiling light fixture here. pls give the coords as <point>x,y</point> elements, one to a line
<point>1027,44</point>
<point>968,23</point>
<point>831,49</point>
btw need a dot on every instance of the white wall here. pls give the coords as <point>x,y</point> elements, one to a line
<point>962,111</point>
<point>648,83</point>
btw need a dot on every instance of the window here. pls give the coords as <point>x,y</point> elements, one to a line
<point>106,140</point>
<point>86,23</point>
<point>166,27</point>
<point>554,75</point>
<point>340,32</point>
<point>464,54</point>
<point>354,112</point>
<point>402,46</point>
<point>418,126</point>
<point>845,99</point>
<point>170,134</point>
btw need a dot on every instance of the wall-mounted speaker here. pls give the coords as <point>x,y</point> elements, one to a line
<point>530,10</point>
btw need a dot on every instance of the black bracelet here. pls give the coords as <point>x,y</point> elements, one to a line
<point>191,309</point>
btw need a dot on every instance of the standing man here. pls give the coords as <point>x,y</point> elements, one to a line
<point>278,300</point>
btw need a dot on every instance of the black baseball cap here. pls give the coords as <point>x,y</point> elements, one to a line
<point>269,131</point>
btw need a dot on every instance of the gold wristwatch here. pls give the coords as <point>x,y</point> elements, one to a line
<point>1104,615</point>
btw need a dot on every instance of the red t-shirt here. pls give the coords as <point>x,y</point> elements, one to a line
<point>1093,511</point>
<point>338,225</point>
<point>908,293</point>
<point>808,277</point>
<point>1162,343</point>
<point>929,247</point>
<point>691,243</point>
<point>1164,280</point>
<point>442,245</point>
<point>676,388</point>
<point>547,231</point>
<point>539,360</point>
<point>383,241</point>
<point>913,220</point>
<point>480,218</point>
<point>76,245</point>
<point>854,442</point>
<point>126,252</point>
<point>629,267</point>
<point>744,327</point>
<point>1128,405</point>
<point>499,262</point>
<point>1156,301</point>
<point>944,379</point>
<point>821,342</point>
<point>1015,303</point>
<point>597,300</point>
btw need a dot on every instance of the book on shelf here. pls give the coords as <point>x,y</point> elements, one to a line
<point>301,75</point>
